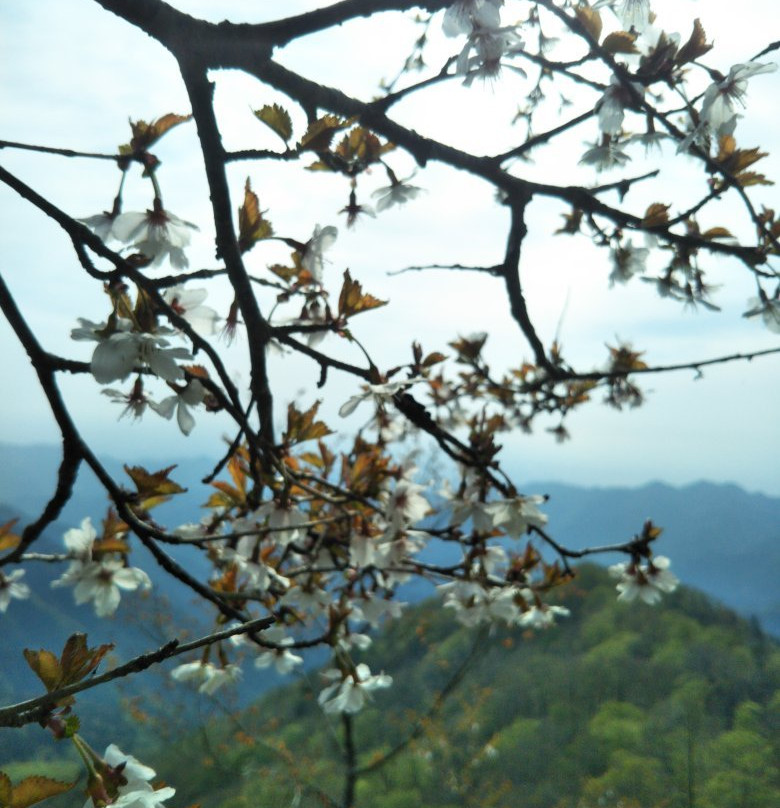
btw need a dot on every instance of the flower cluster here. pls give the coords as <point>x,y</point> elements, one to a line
<point>122,780</point>
<point>156,234</point>
<point>487,42</point>
<point>350,689</point>
<point>647,582</point>
<point>208,677</point>
<point>11,587</point>
<point>98,575</point>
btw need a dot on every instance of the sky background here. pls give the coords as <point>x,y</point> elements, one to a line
<point>73,74</point>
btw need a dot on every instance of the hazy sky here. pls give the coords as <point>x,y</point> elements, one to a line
<point>73,74</point>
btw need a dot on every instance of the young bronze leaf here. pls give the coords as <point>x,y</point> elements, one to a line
<point>276,118</point>
<point>252,227</point>
<point>146,134</point>
<point>34,789</point>
<point>353,301</point>
<point>590,20</point>
<point>8,540</point>
<point>747,178</point>
<point>656,215</point>
<point>46,667</point>
<point>78,661</point>
<point>302,426</point>
<point>153,488</point>
<point>620,42</point>
<point>318,136</point>
<point>717,232</point>
<point>696,45</point>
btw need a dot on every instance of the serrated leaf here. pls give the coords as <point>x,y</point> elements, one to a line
<point>320,133</point>
<point>302,426</point>
<point>77,660</point>
<point>695,47</point>
<point>35,789</point>
<point>590,19</point>
<point>353,301</point>
<point>153,486</point>
<point>656,215</point>
<point>359,145</point>
<point>277,119</point>
<point>146,134</point>
<point>620,42</point>
<point>46,667</point>
<point>252,227</point>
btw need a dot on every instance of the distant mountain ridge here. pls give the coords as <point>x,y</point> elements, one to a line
<point>721,539</point>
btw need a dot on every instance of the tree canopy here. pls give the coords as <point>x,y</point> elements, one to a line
<point>317,512</point>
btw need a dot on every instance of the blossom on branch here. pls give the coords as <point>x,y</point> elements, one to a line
<point>187,304</point>
<point>380,393</point>
<point>10,587</point>
<point>399,192</point>
<point>155,233</point>
<point>121,351</point>
<point>208,677</point>
<point>122,780</point>
<point>768,308</point>
<point>463,15</point>
<point>720,98</point>
<point>647,582</point>
<point>188,396</point>
<point>322,239</point>
<point>97,579</point>
<point>349,691</point>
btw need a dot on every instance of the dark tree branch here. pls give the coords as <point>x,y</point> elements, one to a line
<point>37,709</point>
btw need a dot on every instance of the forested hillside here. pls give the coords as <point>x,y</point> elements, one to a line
<point>618,705</point>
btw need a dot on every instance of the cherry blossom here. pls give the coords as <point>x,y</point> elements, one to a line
<point>97,580</point>
<point>187,304</point>
<point>605,155</point>
<point>611,107</point>
<point>100,224</point>
<point>647,582</point>
<point>156,233</point>
<point>490,45</point>
<point>399,192</point>
<point>100,582</point>
<point>118,356</point>
<point>282,659</point>
<point>631,13</point>
<point>381,394</point>
<point>322,239</point>
<point>462,15</point>
<point>349,692</point>
<point>627,261</point>
<point>720,98</point>
<point>10,587</point>
<point>768,308</point>
<point>124,780</point>
<point>188,396</point>
<point>208,677</point>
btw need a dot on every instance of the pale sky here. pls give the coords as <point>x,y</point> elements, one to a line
<point>73,74</point>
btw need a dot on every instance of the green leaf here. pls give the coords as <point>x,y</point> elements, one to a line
<point>276,118</point>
